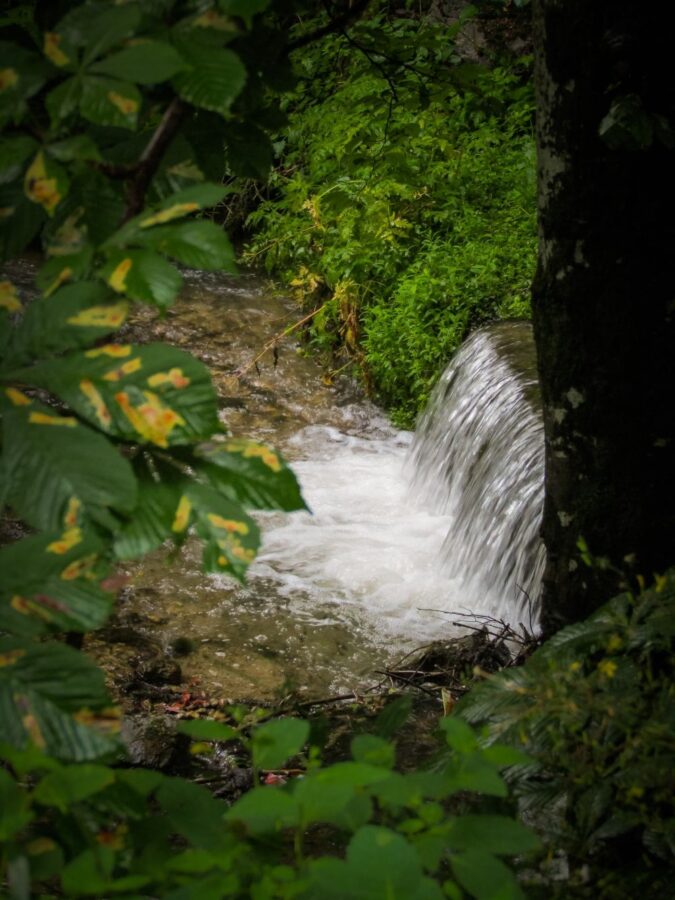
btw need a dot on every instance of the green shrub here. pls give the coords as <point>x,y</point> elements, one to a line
<point>595,707</point>
<point>419,208</point>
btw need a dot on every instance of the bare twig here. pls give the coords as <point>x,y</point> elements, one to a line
<point>273,341</point>
<point>337,24</point>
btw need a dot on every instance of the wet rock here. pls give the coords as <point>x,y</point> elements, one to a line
<point>158,670</point>
<point>152,741</point>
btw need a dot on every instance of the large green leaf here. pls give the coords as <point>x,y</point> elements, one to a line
<point>199,244</point>
<point>74,316</point>
<point>277,741</point>
<point>98,26</point>
<point>48,459</point>
<point>152,393</point>
<point>51,581</point>
<point>145,62</point>
<point>142,275</point>
<point>22,75</point>
<point>50,695</point>
<point>193,813</point>
<point>14,807</point>
<point>61,269</point>
<point>14,151</point>
<point>485,877</point>
<point>20,220</point>
<point>492,834</point>
<point>380,865</point>
<point>215,78</point>
<point>64,99</point>
<point>107,101</point>
<point>252,474</point>
<point>232,538</point>
<point>158,515</point>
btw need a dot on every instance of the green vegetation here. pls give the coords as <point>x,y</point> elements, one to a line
<point>594,707</point>
<point>403,203</point>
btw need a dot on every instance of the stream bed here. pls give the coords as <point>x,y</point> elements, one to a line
<point>335,594</point>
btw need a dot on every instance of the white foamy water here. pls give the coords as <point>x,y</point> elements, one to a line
<point>401,537</point>
<point>365,546</point>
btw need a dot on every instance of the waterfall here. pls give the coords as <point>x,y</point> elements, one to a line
<point>478,457</point>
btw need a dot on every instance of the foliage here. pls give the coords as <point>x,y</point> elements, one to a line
<point>94,831</point>
<point>109,448</point>
<point>594,708</point>
<point>403,204</point>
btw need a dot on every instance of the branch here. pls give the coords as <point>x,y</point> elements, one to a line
<point>337,24</point>
<point>152,156</point>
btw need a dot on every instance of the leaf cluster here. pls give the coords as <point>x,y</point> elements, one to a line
<point>92,830</point>
<point>593,707</point>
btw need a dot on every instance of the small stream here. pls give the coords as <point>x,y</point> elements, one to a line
<point>334,595</point>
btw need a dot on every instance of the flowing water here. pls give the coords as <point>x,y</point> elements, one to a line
<point>397,538</point>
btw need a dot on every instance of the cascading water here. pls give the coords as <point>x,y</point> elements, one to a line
<point>478,457</point>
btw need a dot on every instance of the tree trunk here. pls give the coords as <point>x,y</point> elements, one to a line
<point>603,307</point>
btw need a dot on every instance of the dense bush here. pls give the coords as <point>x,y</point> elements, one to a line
<point>595,707</point>
<point>404,202</point>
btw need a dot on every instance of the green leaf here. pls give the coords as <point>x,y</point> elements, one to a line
<point>459,735</point>
<point>485,877</point>
<point>64,99</point>
<point>49,695</point>
<point>74,316</point>
<point>380,865</point>
<point>106,101</point>
<point>492,834</point>
<point>35,595</point>
<point>50,459</point>
<point>264,810</point>
<point>142,275</point>
<point>193,813</point>
<point>155,518</point>
<point>99,26</point>
<point>232,538</point>
<point>20,222</point>
<point>89,873</point>
<point>393,716</point>
<point>145,62</point>
<point>14,807</point>
<point>215,78</point>
<point>375,751</point>
<point>23,74</point>
<point>70,784</point>
<point>252,474</point>
<point>208,730</point>
<point>79,146</point>
<point>152,393</point>
<point>14,151</point>
<point>275,742</point>
<point>198,244</point>
<point>336,803</point>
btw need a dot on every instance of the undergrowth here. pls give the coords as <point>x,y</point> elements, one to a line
<point>403,205</point>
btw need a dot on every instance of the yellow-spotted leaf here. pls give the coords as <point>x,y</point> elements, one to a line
<point>107,101</point>
<point>51,582</point>
<point>22,74</point>
<point>142,275</point>
<point>74,316</point>
<point>45,182</point>
<point>252,474</point>
<point>49,458</point>
<point>62,269</point>
<point>232,537</point>
<point>151,393</point>
<point>180,204</point>
<point>9,297</point>
<point>54,698</point>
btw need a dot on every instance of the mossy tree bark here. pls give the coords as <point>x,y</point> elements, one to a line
<point>603,297</point>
